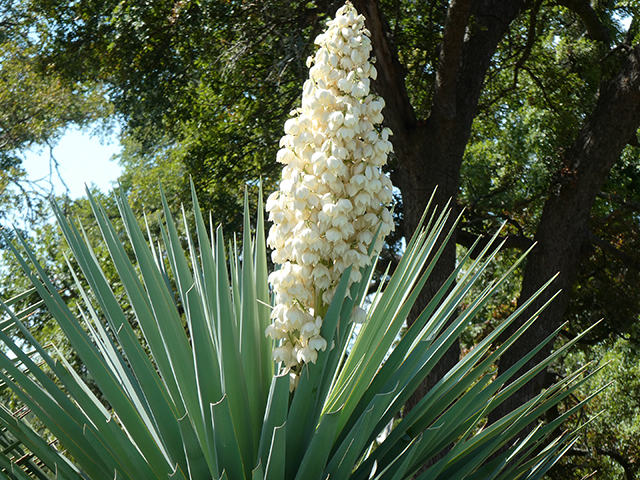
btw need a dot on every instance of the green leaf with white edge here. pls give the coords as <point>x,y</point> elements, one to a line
<point>549,428</point>
<point>377,335</point>
<point>127,412</point>
<point>56,420</point>
<point>17,473</point>
<point>429,322</point>
<point>306,405</point>
<point>21,296</point>
<point>394,361</point>
<point>276,463</point>
<point>474,455</point>
<point>200,319</point>
<point>226,435</point>
<point>398,469</point>
<point>426,411</point>
<point>164,309</point>
<point>177,474</point>
<point>205,354</point>
<point>105,450</point>
<point>167,319</point>
<point>22,314</point>
<point>157,256</point>
<point>126,452</point>
<point>316,455</point>
<point>140,304</point>
<point>250,332</point>
<point>109,352</point>
<point>352,447</point>
<point>275,415</point>
<point>199,465</point>
<point>208,370</point>
<point>47,383</point>
<point>236,286</point>
<point>419,363</point>
<point>235,390</point>
<point>490,469</point>
<point>431,412</point>
<point>262,296</point>
<point>257,473</point>
<point>216,285</point>
<point>543,460</point>
<point>340,342</point>
<point>457,373</point>
<point>547,463</point>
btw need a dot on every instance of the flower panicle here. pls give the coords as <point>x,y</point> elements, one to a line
<point>333,195</point>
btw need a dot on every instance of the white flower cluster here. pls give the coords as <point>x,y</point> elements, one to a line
<point>333,195</point>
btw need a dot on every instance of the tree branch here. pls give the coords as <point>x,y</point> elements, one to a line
<point>390,83</point>
<point>617,457</point>
<point>531,40</point>
<point>449,60</point>
<point>596,29</point>
<point>467,239</point>
<point>563,224</point>
<point>607,247</point>
<point>542,88</point>
<point>619,199</point>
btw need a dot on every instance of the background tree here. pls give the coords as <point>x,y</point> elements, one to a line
<point>36,104</point>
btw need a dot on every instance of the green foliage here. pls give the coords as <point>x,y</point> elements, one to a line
<point>206,402</point>
<point>204,85</point>
<point>610,441</point>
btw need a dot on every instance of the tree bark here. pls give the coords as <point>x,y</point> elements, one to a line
<point>563,225</point>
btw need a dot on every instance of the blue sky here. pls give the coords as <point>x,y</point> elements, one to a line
<point>82,158</point>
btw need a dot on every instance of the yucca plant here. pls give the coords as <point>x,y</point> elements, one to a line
<point>207,402</point>
<point>234,380</point>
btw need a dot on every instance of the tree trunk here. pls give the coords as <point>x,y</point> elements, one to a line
<point>563,226</point>
<point>429,152</point>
